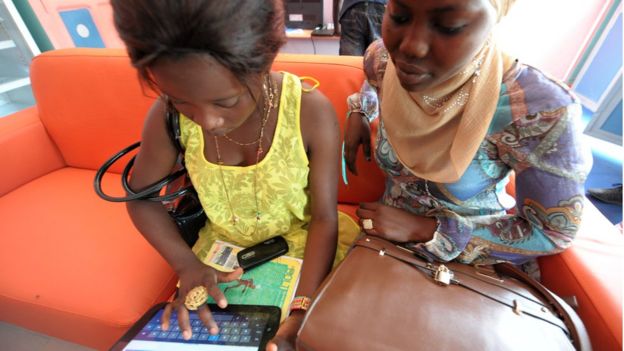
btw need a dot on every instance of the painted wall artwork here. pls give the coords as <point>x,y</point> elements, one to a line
<point>81,28</point>
<point>77,23</point>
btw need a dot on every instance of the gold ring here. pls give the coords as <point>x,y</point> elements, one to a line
<point>196,297</point>
<point>367,224</point>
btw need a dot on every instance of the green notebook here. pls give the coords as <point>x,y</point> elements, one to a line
<point>272,283</point>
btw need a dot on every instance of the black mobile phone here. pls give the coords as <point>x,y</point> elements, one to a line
<point>262,252</point>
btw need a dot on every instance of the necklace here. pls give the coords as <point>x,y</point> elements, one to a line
<point>437,103</point>
<point>270,93</point>
<point>464,92</point>
<point>268,106</point>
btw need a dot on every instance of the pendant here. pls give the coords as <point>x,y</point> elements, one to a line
<point>235,219</point>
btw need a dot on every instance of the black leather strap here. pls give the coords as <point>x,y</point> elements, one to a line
<point>151,192</point>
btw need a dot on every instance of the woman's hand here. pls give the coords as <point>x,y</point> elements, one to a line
<point>286,335</point>
<point>395,224</point>
<point>357,132</point>
<point>198,275</point>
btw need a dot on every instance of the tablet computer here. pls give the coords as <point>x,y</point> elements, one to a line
<point>241,328</point>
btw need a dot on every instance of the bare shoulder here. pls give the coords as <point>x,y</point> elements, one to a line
<point>156,142</point>
<point>156,114</point>
<point>318,117</point>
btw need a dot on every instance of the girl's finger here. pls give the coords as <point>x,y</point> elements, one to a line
<point>166,316</point>
<point>206,317</point>
<point>224,277</point>
<point>364,213</point>
<point>184,322</point>
<point>217,295</point>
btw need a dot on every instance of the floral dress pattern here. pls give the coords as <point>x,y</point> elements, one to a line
<point>281,186</point>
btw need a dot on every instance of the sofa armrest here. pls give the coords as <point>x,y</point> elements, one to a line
<point>27,150</point>
<point>591,270</point>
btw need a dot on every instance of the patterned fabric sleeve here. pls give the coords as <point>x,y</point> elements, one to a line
<point>551,164</point>
<point>366,101</point>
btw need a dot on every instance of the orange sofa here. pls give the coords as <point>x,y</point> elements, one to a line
<point>74,267</point>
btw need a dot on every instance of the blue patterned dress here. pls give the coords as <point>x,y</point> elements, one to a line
<point>535,132</point>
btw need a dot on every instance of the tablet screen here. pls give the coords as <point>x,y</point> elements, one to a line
<point>241,328</point>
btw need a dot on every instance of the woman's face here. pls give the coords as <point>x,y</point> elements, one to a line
<point>429,41</point>
<point>206,92</point>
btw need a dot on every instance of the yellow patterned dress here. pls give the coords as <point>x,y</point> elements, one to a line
<point>281,187</point>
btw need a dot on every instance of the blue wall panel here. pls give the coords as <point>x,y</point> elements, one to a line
<point>81,28</point>
<point>604,66</point>
<point>613,124</point>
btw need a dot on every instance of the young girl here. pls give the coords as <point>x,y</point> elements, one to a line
<point>261,152</point>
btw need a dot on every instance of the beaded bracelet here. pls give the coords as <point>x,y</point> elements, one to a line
<point>300,303</point>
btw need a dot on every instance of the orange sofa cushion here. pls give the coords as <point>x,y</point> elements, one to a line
<point>339,76</point>
<point>27,151</point>
<point>90,102</point>
<point>592,270</point>
<point>73,266</point>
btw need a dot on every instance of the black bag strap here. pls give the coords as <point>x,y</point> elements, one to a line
<point>152,192</point>
<point>575,326</point>
<point>173,127</point>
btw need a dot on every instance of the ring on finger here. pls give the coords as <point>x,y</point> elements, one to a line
<point>367,223</point>
<point>196,297</point>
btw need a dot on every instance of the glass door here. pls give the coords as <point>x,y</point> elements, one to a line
<point>17,49</point>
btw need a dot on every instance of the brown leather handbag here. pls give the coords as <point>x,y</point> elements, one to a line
<point>384,297</point>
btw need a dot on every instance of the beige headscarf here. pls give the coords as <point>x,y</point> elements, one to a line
<point>436,133</point>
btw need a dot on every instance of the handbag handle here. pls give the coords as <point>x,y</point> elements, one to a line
<point>151,192</point>
<point>577,330</point>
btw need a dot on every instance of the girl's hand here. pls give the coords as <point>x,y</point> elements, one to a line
<point>286,335</point>
<point>357,132</point>
<point>395,224</point>
<point>198,275</point>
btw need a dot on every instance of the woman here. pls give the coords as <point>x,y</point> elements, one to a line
<point>253,149</point>
<point>457,116</point>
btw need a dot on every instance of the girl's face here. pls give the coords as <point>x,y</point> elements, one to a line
<point>429,41</point>
<point>206,92</point>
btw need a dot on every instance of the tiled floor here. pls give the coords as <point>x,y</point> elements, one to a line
<point>14,338</point>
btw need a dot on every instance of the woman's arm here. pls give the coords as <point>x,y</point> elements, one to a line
<point>319,127</point>
<point>154,161</point>
<point>363,106</point>
<point>550,169</point>
<point>320,132</point>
